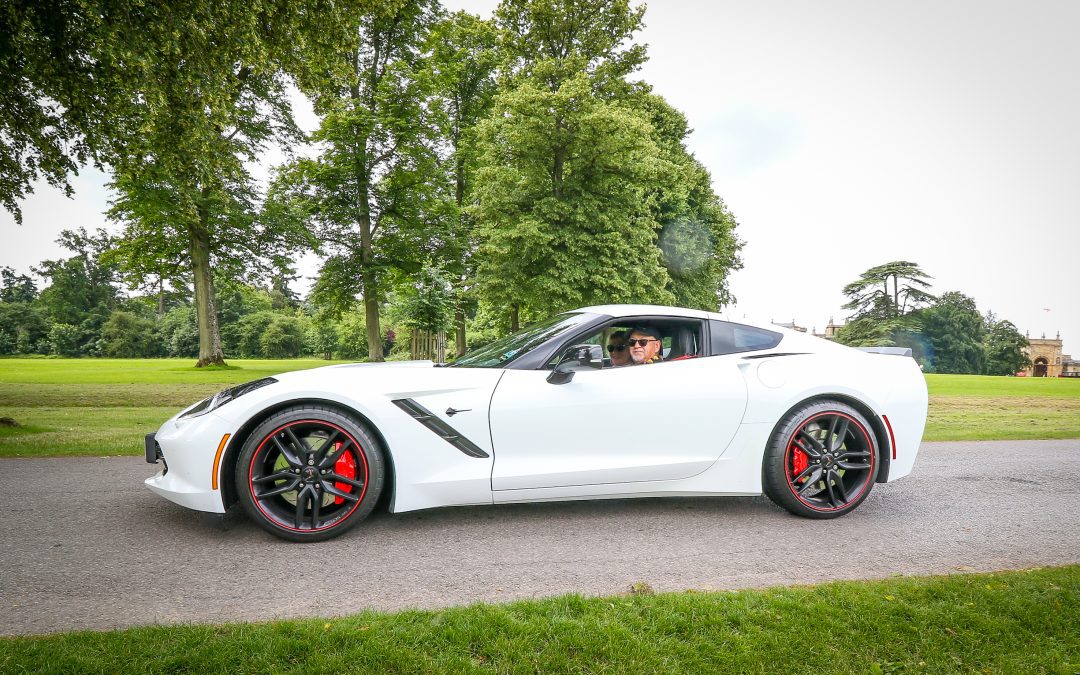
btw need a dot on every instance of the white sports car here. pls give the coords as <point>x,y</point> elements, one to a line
<point>549,413</point>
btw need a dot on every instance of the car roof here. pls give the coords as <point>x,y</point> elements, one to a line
<point>617,311</point>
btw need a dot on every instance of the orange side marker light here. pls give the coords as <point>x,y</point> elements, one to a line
<point>217,460</point>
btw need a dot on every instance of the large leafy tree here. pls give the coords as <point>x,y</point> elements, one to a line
<point>371,191</point>
<point>953,329</point>
<point>697,235</point>
<point>561,206</point>
<point>888,291</point>
<point>886,301</point>
<point>562,202</point>
<point>209,93</point>
<point>55,89</point>
<point>586,192</point>
<point>464,55</point>
<point>83,289</point>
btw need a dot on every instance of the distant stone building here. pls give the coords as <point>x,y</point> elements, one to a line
<point>791,325</point>
<point>830,330</point>
<point>1047,359</point>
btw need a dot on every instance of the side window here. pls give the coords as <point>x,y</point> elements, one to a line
<point>679,339</point>
<point>731,338</point>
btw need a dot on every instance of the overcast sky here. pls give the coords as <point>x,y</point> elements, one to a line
<point>846,134</point>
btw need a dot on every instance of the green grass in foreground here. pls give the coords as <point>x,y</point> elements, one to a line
<point>1005,622</point>
<point>69,407</point>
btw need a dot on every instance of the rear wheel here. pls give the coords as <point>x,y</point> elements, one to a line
<point>822,460</point>
<point>309,473</point>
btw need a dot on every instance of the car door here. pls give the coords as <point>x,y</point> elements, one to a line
<point>653,422</point>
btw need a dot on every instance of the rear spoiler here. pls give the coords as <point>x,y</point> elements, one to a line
<point>893,351</point>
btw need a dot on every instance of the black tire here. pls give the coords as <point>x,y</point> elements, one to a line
<point>309,473</point>
<point>822,460</point>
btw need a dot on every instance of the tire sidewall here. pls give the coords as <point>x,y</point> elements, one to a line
<point>373,455</point>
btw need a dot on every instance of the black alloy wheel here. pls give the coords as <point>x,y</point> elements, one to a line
<point>821,461</point>
<point>309,473</point>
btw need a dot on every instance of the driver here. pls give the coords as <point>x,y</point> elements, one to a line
<point>645,345</point>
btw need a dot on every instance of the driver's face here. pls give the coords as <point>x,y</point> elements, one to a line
<point>639,352</point>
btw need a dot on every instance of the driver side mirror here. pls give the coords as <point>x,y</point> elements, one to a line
<point>575,358</point>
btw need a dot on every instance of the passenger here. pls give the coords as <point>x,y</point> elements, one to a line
<point>645,345</point>
<point>617,348</point>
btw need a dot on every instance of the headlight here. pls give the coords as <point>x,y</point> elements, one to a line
<point>222,397</point>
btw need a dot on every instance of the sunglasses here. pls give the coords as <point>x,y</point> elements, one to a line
<point>616,348</point>
<point>641,342</point>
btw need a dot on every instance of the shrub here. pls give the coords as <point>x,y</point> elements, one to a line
<point>64,339</point>
<point>126,335</point>
<point>282,338</point>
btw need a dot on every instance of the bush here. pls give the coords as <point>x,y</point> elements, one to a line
<point>282,338</point>
<point>245,336</point>
<point>128,336</point>
<point>64,339</point>
<point>352,336</point>
<point>322,336</point>
<point>178,332</point>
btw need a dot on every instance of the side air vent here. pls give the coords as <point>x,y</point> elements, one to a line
<point>441,428</point>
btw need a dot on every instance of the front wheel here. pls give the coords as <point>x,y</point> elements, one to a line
<point>309,473</point>
<point>821,461</point>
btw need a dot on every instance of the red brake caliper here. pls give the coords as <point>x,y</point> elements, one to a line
<point>345,466</point>
<point>800,461</point>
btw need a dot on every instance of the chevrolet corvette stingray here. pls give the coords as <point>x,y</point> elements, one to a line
<point>729,407</point>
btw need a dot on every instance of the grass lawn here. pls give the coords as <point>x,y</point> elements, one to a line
<point>96,407</point>
<point>69,407</point>
<point>1026,621</point>
<point>974,407</point>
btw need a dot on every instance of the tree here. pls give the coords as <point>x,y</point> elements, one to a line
<point>561,202</point>
<point>953,328</point>
<point>697,236</point>
<point>82,284</point>
<point>871,295</point>
<point>553,41</point>
<point>464,57</point>
<point>428,303</point>
<point>367,191</point>
<point>16,287</point>
<point>586,193</point>
<point>1004,347</point>
<point>207,94</point>
<point>55,93</point>
<point>23,329</point>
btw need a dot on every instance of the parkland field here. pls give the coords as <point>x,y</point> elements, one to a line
<point>103,407</point>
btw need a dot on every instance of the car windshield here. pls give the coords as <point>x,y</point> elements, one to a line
<point>504,350</point>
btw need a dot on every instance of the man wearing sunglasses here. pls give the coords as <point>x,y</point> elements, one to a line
<point>646,345</point>
<point>618,349</point>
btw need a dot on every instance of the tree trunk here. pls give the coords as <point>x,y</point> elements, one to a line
<point>368,282</point>
<point>459,199</point>
<point>515,319</point>
<point>459,331</point>
<point>209,338</point>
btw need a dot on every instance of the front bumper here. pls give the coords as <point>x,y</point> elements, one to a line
<point>187,449</point>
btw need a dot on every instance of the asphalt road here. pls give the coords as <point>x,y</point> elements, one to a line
<point>85,546</point>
